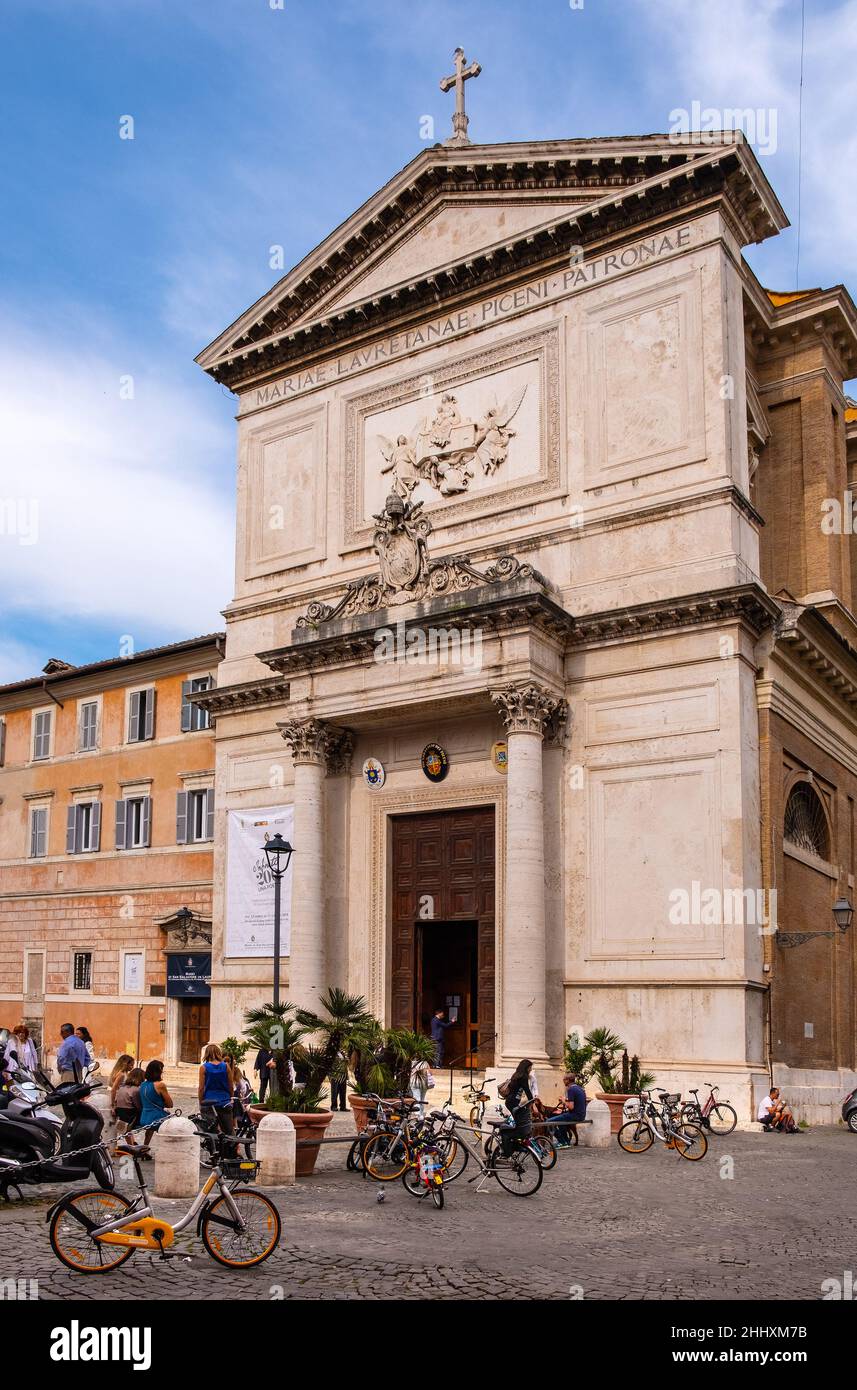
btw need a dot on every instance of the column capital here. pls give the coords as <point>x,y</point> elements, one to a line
<point>527,708</point>
<point>314,742</point>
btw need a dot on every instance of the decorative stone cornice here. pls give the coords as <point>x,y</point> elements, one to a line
<point>621,184</point>
<point>312,741</point>
<point>838,675</point>
<point>526,708</point>
<point>747,603</point>
<point>232,699</point>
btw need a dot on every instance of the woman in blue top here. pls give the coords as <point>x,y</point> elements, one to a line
<point>155,1099</point>
<point>216,1082</point>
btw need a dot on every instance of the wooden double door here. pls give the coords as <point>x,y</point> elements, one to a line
<point>443,928</point>
<point>195,1015</point>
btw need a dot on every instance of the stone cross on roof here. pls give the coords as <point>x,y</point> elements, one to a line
<point>457,80</point>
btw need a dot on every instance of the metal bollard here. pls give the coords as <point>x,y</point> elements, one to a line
<point>276,1150</point>
<point>176,1152</point>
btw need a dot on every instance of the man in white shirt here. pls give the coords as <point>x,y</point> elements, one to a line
<point>774,1114</point>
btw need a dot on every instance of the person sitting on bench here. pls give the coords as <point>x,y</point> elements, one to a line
<point>572,1111</point>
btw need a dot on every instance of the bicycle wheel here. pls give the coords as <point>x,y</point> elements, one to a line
<point>437,1194</point>
<point>722,1118</point>
<point>354,1159</point>
<point>475,1118</point>
<point>386,1157</point>
<point>454,1157</point>
<point>72,1243</point>
<point>241,1249</point>
<point>101,1168</point>
<point>545,1150</point>
<point>635,1137</point>
<point>690,1141</point>
<point>521,1173</point>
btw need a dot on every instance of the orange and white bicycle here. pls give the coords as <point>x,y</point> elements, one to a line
<point>93,1231</point>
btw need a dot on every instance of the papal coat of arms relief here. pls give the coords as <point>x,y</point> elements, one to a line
<point>444,448</point>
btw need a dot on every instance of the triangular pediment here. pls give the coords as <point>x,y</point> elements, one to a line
<point>458,228</point>
<point>450,205</point>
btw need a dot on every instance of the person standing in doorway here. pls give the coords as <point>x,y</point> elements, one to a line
<point>72,1057</point>
<point>439,1026</point>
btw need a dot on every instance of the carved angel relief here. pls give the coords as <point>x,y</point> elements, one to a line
<point>444,446</point>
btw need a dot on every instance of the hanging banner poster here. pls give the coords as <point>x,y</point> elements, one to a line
<point>250,883</point>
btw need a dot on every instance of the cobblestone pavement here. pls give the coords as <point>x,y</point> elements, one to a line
<point>613,1225</point>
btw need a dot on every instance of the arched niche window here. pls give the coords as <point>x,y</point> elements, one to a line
<point>805,825</point>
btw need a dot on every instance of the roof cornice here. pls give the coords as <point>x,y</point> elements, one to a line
<point>643,180</point>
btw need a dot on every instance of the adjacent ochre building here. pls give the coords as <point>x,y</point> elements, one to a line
<point>106,826</point>
<point>530,498</point>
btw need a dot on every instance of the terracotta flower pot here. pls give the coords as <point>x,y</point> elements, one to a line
<point>616,1101</point>
<point>306,1127</point>
<point>361,1108</point>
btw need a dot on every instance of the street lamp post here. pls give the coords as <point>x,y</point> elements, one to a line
<point>843,913</point>
<point>279,853</point>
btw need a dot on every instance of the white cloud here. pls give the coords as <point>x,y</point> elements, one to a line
<point>111,510</point>
<point>747,55</point>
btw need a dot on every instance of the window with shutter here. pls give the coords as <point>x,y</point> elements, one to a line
<point>193,717</point>
<point>146,822</point>
<point>94,826</point>
<point>209,814</point>
<point>181,818</point>
<point>42,735</point>
<point>149,716</point>
<point>121,823</point>
<point>38,832</point>
<point>2,741</point>
<point>88,738</point>
<point>134,716</point>
<point>71,831</point>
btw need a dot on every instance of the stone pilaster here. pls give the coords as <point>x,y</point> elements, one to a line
<point>316,747</point>
<point>528,711</point>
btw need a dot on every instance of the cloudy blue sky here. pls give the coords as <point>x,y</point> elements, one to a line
<point>261,122</point>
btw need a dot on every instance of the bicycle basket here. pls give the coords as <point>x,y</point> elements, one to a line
<point>240,1169</point>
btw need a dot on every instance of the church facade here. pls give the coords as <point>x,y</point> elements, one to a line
<point>539,650</point>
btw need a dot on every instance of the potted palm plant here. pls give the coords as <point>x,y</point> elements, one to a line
<point>278,1030</point>
<point>343,1028</point>
<point>618,1075</point>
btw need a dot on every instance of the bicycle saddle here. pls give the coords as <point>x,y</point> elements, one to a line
<point>139,1149</point>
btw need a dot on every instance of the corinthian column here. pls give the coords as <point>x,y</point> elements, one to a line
<point>314,746</point>
<point>526,711</point>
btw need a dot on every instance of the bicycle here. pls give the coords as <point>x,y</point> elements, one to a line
<point>725,1116</point>
<point>424,1174</point>
<point>638,1135</point>
<point>478,1098</point>
<point>93,1232</point>
<point>389,1154</point>
<point>519,1171</point>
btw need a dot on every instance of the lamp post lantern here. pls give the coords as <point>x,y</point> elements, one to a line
<point>843,913</point>
<point>278,852</point>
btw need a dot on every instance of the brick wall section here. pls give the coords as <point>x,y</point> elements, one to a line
<point>815,982</point>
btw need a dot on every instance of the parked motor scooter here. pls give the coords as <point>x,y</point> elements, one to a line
<point>26,1097</point>
<point>27,1143</point>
